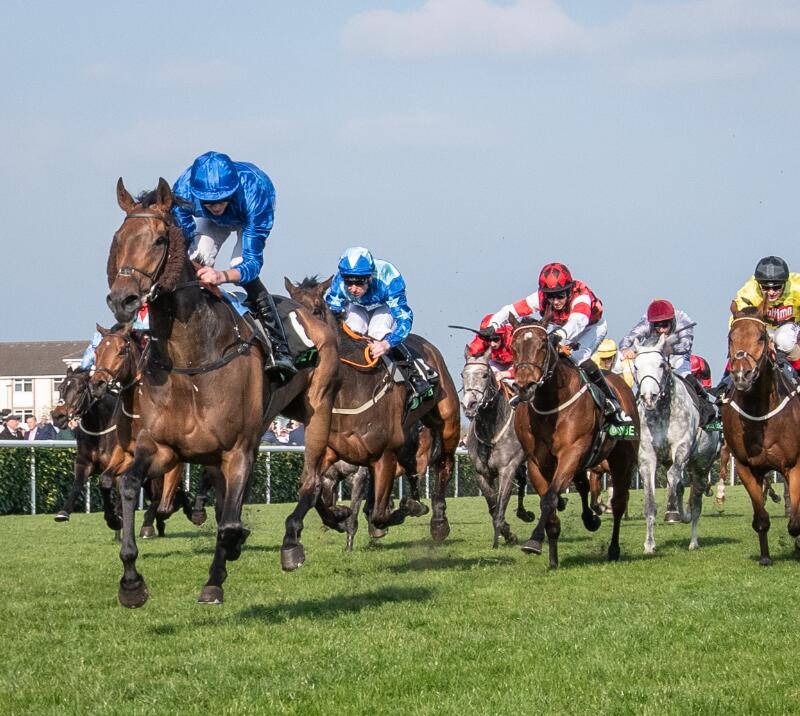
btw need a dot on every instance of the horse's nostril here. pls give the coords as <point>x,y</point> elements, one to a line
<point>130,301</point>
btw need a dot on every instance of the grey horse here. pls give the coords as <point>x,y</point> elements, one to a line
<point>671,435</point>
<point>492,443</point>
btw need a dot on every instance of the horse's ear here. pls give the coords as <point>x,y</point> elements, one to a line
<point>548,314</point>
<point>762,309</point>
<point>102,331</point>
<point>637,344</point>
<point>326,284</point>
<point>513,320</point>
<point>290,287</point>
<point>69,371</point>
<point>734,309</point>
<point>164,195</point>
<point>124,199</point>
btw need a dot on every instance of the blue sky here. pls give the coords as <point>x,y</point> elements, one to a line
<point>652,146</point>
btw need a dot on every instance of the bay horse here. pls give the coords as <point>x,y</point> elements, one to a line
<point>761,419</point>
<point>492,443</point>
<point>561,431</point>
<point>203,395</point>
<point>672,435</point>
<point>370,425</point>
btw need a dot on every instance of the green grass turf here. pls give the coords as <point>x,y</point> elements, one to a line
<point>402,626</point>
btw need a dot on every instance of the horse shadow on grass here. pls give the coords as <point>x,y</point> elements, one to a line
<point>377,544</point>
<point>595,559</point>
<point>209,550</point>
<point>682,543</point>
<point>334,606</point>
<point>426,564</point>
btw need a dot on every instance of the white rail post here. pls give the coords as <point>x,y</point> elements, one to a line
<point>400,488</point>
<point>33,481</point>
<point>141,498</point>
<point>341,494</point>
<point>268,465</point>
<point>187,477</point>
<point>732,468</point>
<point>455,473</point>
<point>427,483</point>
<point>88,498</point>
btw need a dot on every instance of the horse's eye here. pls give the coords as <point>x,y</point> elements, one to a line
<point>161,240</point>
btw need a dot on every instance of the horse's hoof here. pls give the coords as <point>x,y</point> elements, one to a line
<point>531,546</point>
<point>292,558</point>
<point>114,523</point>
<point>147,532</point>
<point>775,497</point>
<point>562,503</point>
<point>525,515</point>
<point>694,545</point>
<point>613,552</point>
<point>672,518</point>
<point>440,529</point>
<point>210,595</point>
<point>720,501</point>
<point>598,509</point>
<point>135,596</point>
<point>199,517</point>
<point>376,532</point>
<point>649,549</point>
<point>62,517</point>
<point>592,522</point>
<point>413,507</point>
<point>511,539</point>
<point>608,510</point>
<point>232,538</point>
<point>765,562</point>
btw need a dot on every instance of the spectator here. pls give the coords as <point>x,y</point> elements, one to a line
<point>46,430</point>
<point>11,430</point>
<point>297,433</point>
<point>68,433</point>
<point>30,433</point>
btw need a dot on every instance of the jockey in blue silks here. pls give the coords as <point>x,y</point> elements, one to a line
<point>217,196</point>
<point>371,295</point>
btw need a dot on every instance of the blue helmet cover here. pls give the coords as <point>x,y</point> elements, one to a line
<point>356,261</point>
<point>213,177</point>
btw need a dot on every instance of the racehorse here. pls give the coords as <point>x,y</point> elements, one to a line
<point>761,419</point>
<point>769,490</point>
<point>203,396</point>
<point>97,438</point>
<point>370,424</point>
<point>492,443</point>
<point>672,435</point>
<point>561,431</point>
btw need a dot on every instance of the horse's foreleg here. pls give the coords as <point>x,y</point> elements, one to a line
<point>622,462</point>
<point>589,517</point>
<point>674,512</point>
<point>507,476</point>
<point>791,482</point>
<point>547,505</point>
<point>133,590</point>
<point>647,471</point>
<point>171,483</point>
<point>83,472</point>
<point>754,486</point>
<point>384,470</point>
<point>521,478</point>
<point>357,491</point>
<point>488,492</point>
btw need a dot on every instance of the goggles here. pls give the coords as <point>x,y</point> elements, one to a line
<point>355,280</point>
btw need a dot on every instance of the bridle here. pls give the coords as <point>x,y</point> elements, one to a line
<point>663,385</point>
<point>548,365</point>
<point>491,389</point>
<point>758,363</point>
<point>136,369</point>
<point>153,276</point>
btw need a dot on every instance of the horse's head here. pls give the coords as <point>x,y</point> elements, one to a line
<point>147,253</point>
<point>748,345</point>
<point>113,361</point>
<point>650,371</point>
<point>73,397</point>
<point>534,355</point>
<point>310,293</point>
<point>479,383</point>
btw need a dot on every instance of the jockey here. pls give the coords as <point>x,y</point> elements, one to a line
<point>217,196</point>
<point>139,329</point>
<point>773,281</point>
<point>371,295</point>
<point>577,321</point>
<point>662,319</point>
<point>606,354</point>
<point>701,370</point>
<point>501,361</point>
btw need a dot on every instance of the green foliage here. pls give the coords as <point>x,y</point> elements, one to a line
<point>402,626</point>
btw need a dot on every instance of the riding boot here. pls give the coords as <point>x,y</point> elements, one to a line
<point>421,387</point>
<point>708,411</point>
<point>722,387</point>
<point>785,365</point>
<point>260,301</point>
<point>613,410</point>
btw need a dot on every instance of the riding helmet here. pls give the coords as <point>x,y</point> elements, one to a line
<point>771,269</point>
<point>555,278</point>
<point>660,310</point>
<point>213,177</point>
<point>607,348</point>
<point>356,261</point>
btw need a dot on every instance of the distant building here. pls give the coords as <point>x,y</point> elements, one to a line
<point>31,371</point>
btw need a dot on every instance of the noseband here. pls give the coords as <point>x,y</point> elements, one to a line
<point>152,292</point>
<point>548,365</point>
<point>490,392</point>
<point>666,377</point>
<point>758,363</point>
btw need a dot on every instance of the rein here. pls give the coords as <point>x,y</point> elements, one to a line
<point>369,361</point>
<point>664,385</point>
<point>546,368</point>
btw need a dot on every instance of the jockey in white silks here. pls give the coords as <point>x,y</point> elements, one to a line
<point>576,321</point>
<point>371,296</point>
<point>663,319</point>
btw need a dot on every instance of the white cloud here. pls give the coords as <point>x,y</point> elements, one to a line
<point>458,27</point>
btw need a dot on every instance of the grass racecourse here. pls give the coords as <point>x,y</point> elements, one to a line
<point>402,626</point>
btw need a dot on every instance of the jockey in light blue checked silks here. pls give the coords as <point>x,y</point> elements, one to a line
<point>371,296</point>
<point>216,197</point>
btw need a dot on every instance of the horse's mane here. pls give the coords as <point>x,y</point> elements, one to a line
<point>176,253</point>
<point>748,311</point>
<point>309,282</point>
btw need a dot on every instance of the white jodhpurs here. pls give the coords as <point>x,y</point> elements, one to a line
<point>377,323</point>
<point>208,240</point>
<point>587,341</point>
<point>680,364</point>
<point>786,338</point>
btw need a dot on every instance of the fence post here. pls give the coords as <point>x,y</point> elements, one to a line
<point>400,488</point>
<point>733,471</point>
<point>88,499</point>
<point>455,471</point>
<point>427,483</point>
<point>340,491</point>
<point>33,481</point>
<point>141,498</point>
<point>187,478</point>
<point>268,465</point>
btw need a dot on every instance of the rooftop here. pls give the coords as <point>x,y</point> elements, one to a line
<point>38,358</point>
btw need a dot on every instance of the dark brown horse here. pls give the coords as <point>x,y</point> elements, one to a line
<point>203,395</point>
<point>370,425</point>
<point>559,426</point>
<point>761,419</point>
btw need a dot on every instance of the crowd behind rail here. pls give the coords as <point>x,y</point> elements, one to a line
<point>192,374</point>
